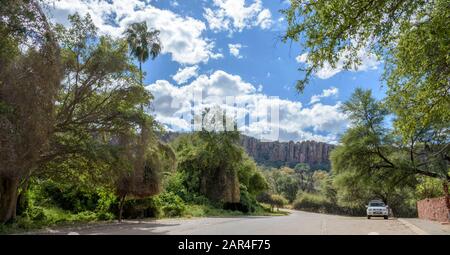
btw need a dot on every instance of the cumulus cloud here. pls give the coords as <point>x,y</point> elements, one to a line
<point>235,49</point>
<point>368,62</point>
<point>184,74</point>
<point>235,15</point>
<point>173,106</point>
<point>333,91</point>
<point>182,36</point>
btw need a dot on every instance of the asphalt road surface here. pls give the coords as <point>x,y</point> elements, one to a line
<point>297,223</point>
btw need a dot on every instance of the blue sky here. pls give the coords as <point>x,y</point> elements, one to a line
<point>232,48</point>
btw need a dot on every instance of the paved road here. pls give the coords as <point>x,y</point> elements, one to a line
<point>297,223</point>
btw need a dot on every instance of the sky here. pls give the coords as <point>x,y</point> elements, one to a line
<point>230,51</point>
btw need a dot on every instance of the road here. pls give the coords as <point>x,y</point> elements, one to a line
<point>297,223</point>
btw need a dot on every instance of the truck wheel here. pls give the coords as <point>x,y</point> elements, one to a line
<point>368,217</point>
<point>386,217</point>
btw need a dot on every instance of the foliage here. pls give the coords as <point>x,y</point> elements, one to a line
<point>143,43</point>
<point>29,82</point>
<point>429,188</point>
<point>278,201</point>
<point>210,162</point>
<point>172,204</point>
<point>412,37</point>
<point>251,177</point>
<point>274,200</point>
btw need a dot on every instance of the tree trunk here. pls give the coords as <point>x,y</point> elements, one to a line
<point>8,198</point>
<point>141,80</point>
<point>121,203</point>
<point>22,197</point>
<point>447,198</point>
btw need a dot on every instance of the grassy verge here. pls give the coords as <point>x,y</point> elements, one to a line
<point>209,211</point>
<point>51,217</point>
<point>55,217</point>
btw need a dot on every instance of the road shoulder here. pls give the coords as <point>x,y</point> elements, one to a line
<point>426,227</point>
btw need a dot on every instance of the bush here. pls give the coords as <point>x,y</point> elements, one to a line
<point>85,216</point>
<point>278,201</point>
<point>35,213</point>
<point>247,203</point>
<point>142,208</point>
<point>172,205</point>
<point>312,202</point>
<point>318,203</point>
<point>69,197</point>
<point>274,200</point>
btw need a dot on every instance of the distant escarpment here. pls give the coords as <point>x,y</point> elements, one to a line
<point>276,154</point>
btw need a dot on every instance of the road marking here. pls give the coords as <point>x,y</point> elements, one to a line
<point>73,234</point>
<point>373,233</point>
<point>413,227</point>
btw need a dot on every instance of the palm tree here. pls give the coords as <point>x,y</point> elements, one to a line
<point>143,43</point>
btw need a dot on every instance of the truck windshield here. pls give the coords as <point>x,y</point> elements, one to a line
<point>376,204</point>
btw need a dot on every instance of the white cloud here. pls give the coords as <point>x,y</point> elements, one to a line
<point>184,74</point>
<point>235,49</point>
<point>234,15</point>
<point>173,107</point>
<point>368,62</point>
<point>182,36</point>
<point>264,19</point>
<point>333,91</point>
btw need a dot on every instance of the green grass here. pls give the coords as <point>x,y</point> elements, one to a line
<point>55,217</point>
<point>209,211</point>
<point>52,217</point>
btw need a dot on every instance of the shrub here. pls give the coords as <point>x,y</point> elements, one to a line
<point>85,216</point>
<point>318,203</point>
<point>247,203</point>
<point>278,201</point>
<point>70,197</point>
<point>175,183</point>
<point>274,200</point>
<point>311,202</point>
<point>142,208</point>
<point>172,205</point>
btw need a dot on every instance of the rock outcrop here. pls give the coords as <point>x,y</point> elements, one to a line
<point>316,154</point>
<point>277,154</point>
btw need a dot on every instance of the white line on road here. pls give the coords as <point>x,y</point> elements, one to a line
<point>413,227</point>
<point>373,233</point>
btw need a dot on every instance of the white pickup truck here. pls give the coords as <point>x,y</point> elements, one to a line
<point>377,208</point>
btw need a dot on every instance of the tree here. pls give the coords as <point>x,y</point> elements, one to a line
<point>250,176</point>
<point>211,161</point>
<point>333,30</point>
<point>91,115</point>
<point>389,164</point>
<point>29,82</point>
<point>305,174</point>
<point>143,43</point>
<point>286,183</point>
<point>412,37</point>
<point>277,201</point>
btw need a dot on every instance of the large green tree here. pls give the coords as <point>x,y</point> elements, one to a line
<point>412,39</point>
<point>388,167</point>
<point>29,83</point>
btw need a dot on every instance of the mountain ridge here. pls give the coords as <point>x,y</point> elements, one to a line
<point>277,154</point>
